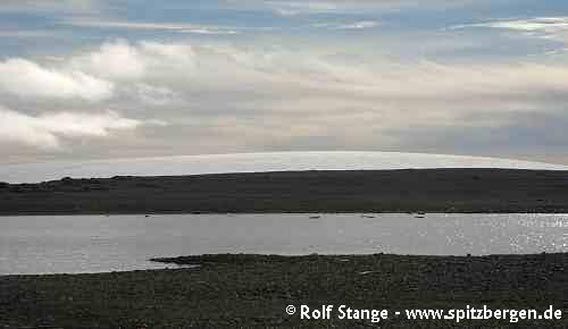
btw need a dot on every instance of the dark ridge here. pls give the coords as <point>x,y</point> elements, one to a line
<point>429,190</point>
<point>241,258</point>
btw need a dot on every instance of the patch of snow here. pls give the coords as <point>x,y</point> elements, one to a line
<point>255,162</point>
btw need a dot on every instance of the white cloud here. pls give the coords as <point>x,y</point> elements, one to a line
<point>45,131</point>
<point>116,60</point>
<point>208,31</point>
<point>295,7</point>
<point>358,25</point>
<point>181,69</point>
<point>26,34</point>
<point>545,27</point>
<point>172,27</point>
<point>51,6</point>
<point>278,68</point>
<point>158,71</point>
<point>539,24</point>
<point>120,60</point>
<point>129,25</point>
<point>292,8</point>
<point>27,79</point>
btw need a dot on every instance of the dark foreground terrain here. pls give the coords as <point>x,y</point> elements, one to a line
<point>433,190</point>
<point>252,291</point>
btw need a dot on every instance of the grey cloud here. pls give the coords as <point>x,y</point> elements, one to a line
<point>222,98</point>
<point>531,135</point>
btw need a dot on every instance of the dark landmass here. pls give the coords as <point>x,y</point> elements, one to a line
<point>431,190</point>
<point>252,291</point>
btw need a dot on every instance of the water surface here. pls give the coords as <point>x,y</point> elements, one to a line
<point>72,244</point>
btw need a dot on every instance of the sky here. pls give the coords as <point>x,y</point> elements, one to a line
<point>104,79</point>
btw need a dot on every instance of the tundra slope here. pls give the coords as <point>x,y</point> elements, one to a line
<point>430,190</point>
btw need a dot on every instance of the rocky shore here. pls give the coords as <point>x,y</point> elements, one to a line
<point>253,291</point>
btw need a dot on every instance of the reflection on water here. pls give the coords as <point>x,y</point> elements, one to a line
<point>55,244</point>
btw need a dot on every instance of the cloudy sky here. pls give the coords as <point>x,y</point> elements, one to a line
<point>100,79</point>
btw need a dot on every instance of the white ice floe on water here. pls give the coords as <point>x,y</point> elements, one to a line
<point>255,162</point>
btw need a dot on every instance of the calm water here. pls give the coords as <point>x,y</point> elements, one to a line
<point>70,244</point>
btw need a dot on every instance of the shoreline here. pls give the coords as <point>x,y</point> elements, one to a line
<point>43,214</point>
<point>252,291</point>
